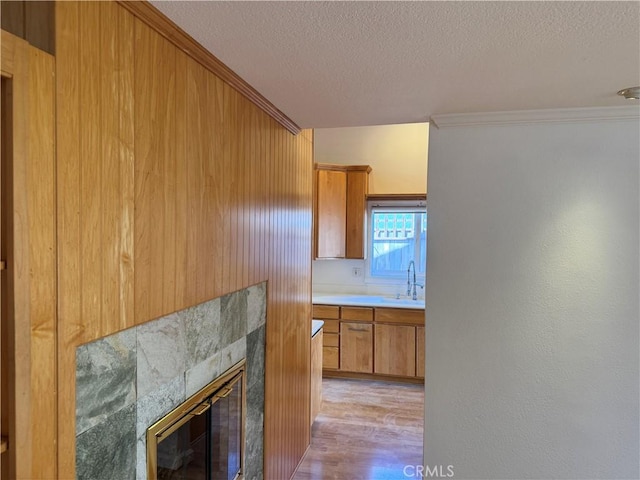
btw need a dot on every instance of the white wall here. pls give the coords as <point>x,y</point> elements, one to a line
<point>532,301</point>
<point>397,155</point>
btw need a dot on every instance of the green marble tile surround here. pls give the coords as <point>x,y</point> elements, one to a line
<point>127,381</point>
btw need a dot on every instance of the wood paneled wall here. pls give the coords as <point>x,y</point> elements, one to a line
<point>174,189</point>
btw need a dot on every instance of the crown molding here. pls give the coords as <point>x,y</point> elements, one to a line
<point>525,117</point>
<point>342,168</point>
<point>150,15</point>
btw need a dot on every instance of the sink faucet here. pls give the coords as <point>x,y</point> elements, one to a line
<point>412,291</point>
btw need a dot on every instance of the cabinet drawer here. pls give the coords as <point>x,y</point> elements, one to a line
<point>330,356</point>
<point>400,315</point>
<point>331,340</point>
<point>326,311</point>
<point>331,326</point>
<point>357,313</point>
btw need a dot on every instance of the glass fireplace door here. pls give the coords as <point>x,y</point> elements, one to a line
<point>182,454</point>
<point>226,433</point>
<point>203,439</point>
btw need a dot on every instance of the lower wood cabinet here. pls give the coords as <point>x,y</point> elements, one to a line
<point>378,341</point>
<point>420,352</point>
<point>316,375</point>
<point>356,347</point>
<point>330,358</point>
<point>395,350</point>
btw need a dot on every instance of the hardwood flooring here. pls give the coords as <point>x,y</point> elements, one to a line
<point>366,430</point>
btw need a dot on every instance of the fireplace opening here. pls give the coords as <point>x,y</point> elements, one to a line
<point>203,438</point>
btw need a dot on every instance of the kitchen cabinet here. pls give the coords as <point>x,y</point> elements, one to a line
<point>340,195</point>
<point>395,352</point>
<point>356,347</point>
<point>331,214</point>
<point>357,190</point>
<point>374,342</point>
<point>316,374</point>
<point>420,352</point>
<point>330,338</point>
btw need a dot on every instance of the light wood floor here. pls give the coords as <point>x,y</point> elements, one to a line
<point>365,431</point>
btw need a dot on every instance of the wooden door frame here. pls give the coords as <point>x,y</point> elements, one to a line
<point>15,68</point>
<point>29,177</point>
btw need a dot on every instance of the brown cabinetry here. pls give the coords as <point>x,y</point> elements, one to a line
<point>395,350</point>
<point>356,347</point>
<point>340,193</point>
<point>420,352</point>
<point>375,342</point>
<point>316,374</point>
<point>331,214</point>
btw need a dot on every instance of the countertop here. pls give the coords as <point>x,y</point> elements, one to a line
<point>367,301</point>
<point>316,325</point>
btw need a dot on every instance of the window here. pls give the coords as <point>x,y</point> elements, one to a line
<point>397,235</point>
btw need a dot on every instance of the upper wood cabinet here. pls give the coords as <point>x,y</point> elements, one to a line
<point>357,190</point>
<point>340,197</point>
<point>331,214</point>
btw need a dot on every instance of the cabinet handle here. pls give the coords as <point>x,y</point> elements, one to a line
<point>361,329</point>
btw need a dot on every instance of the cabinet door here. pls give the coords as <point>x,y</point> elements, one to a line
<point>330,358</point>
<point>420,352</point>
<point>396,350</point>
<point>356,347</point>
<point>357,189</point>
<point>316,374</point>
<point>331,213</point>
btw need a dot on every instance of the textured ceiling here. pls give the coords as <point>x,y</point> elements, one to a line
<point>333,64</point>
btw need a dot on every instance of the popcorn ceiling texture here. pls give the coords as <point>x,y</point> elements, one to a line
<point>335,64</point>
<point>127,381</point>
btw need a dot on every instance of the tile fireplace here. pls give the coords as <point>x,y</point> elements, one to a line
<point>128,381</point>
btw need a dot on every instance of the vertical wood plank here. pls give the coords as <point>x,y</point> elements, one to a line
<point>109,174</point>
<point>126,160</point>
<point>167,177</point>
<point>236,191</point>
<point>229,155</point>
<point>182,188</point>
<point>192,164</point>
<point>246,201</point>
<point>91,156</point>
<point>70,327</point>
<point>155,191</point>
<point>143,57</point>
<point>207,142</point>
<point>42,272</point>
<point>197,163</point>
<point>217,172</point>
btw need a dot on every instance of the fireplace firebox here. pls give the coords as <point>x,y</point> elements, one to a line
<point>203,438</point>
